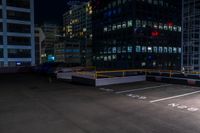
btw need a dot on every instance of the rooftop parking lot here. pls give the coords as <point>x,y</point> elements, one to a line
<point>30,104</point>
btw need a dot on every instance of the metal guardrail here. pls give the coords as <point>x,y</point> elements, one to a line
<point>131,72</point>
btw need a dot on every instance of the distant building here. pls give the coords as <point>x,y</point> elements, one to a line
<point>191,35</point>
<point>52,32</point>
<point>78,28</point>
<point>137,34</point>
<point>39,38</point>
<point>68,51</point>
<point>17,42</point>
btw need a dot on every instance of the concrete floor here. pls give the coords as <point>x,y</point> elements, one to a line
<point>30,104</point>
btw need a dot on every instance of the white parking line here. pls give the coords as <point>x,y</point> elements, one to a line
<point>173,97</point>
<point>146,88</point>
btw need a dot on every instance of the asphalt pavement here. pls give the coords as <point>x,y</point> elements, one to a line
<point>31,104</point>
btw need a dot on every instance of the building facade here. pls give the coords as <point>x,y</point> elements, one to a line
<point>17,42</point>
<point>191,35</point>
<point>68,51</point>
<point>52,33</point>
<point>78,27</point>
<point>137,34</point>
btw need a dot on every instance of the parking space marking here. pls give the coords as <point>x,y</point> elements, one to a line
<point>173,97</point>
<point>146,88</point>
<point>183,107</point>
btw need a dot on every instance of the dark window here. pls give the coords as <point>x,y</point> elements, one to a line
<point>24,16</point>
<point>25,41</point>
<point>1,53</point>
<point>20,28</point>
<point>19,53</point>
<point>19,3</point>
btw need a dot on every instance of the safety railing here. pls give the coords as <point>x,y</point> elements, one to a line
<point>134,72</point>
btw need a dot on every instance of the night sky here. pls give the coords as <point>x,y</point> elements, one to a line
<point>50,11</point>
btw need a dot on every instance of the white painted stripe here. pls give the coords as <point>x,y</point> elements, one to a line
<point>173,97</point>
<point>146,88</point>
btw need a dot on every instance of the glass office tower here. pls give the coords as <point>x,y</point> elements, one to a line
<point>191,35</point>
<point>137,34</point>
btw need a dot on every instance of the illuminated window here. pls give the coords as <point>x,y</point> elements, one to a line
<point>129,49</point>
<point>170,49</point>
<point>165,50</point>
<point>105,29</point>
<point>174,50</point>
<point>138,49</point>
<point>114,27</point>
<point>165,27</point>
<point>144,49</point>
<point>114,50</point>
<point>123,49</point>
<point>119,26</point>
<point>160,50</point>
<point>161,26</point>
<point>179,50</point>
<point>144,24</point>
<point>119,50</point>
<point>175,28</point>
<point>138,23</point>
<point>150,49</point>
<point>179,29</point>
<point>130,23</point>
<point>155,49</point>
<point>124,25</point>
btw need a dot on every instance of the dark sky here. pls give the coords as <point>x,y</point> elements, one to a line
<point>49,11</point>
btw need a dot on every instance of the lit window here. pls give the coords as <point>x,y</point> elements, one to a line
<point>161,26</point>
<point>114,50</point>
<point>165,50</point>
<point>124,25</point>
<point>150,49</point>
<point>105,29</point>
<point>129,49</point>
<point>130,23</point>
<point>174,50</point>
<point>144,24</point>
<point>155,25</point>
<point>138,49</point>
<point>155,49</point>
<point>144,49</point>
<point>160,49</point>
<point>123,49</point>
<point>179,29</point>
<point>179,50</point>
<point>114,27</point>
<point>109,50</point>
<point>165,27</point>
<point>175,28</point>
<point>119,50</point>
<point>170,49</point>
<point>119,26</point>
<point>138,23</point>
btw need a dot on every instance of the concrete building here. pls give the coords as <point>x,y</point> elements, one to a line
<point>52,33</point>
<point>191,35</point>
<point>68,51</point>
<point>78,27</point>
<point>137,34</point>
<point>39,38</point>
<point>17,42</point>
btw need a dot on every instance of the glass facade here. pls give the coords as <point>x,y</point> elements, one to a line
<point>137,34</point>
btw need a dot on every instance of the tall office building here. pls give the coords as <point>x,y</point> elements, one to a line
<point>137,34</point>
<point>17,42</point>
<point>78,27</point>
<point>191,35</point>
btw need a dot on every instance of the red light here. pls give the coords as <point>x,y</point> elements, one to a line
<point>170,23</point>
<point>155,33</point>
